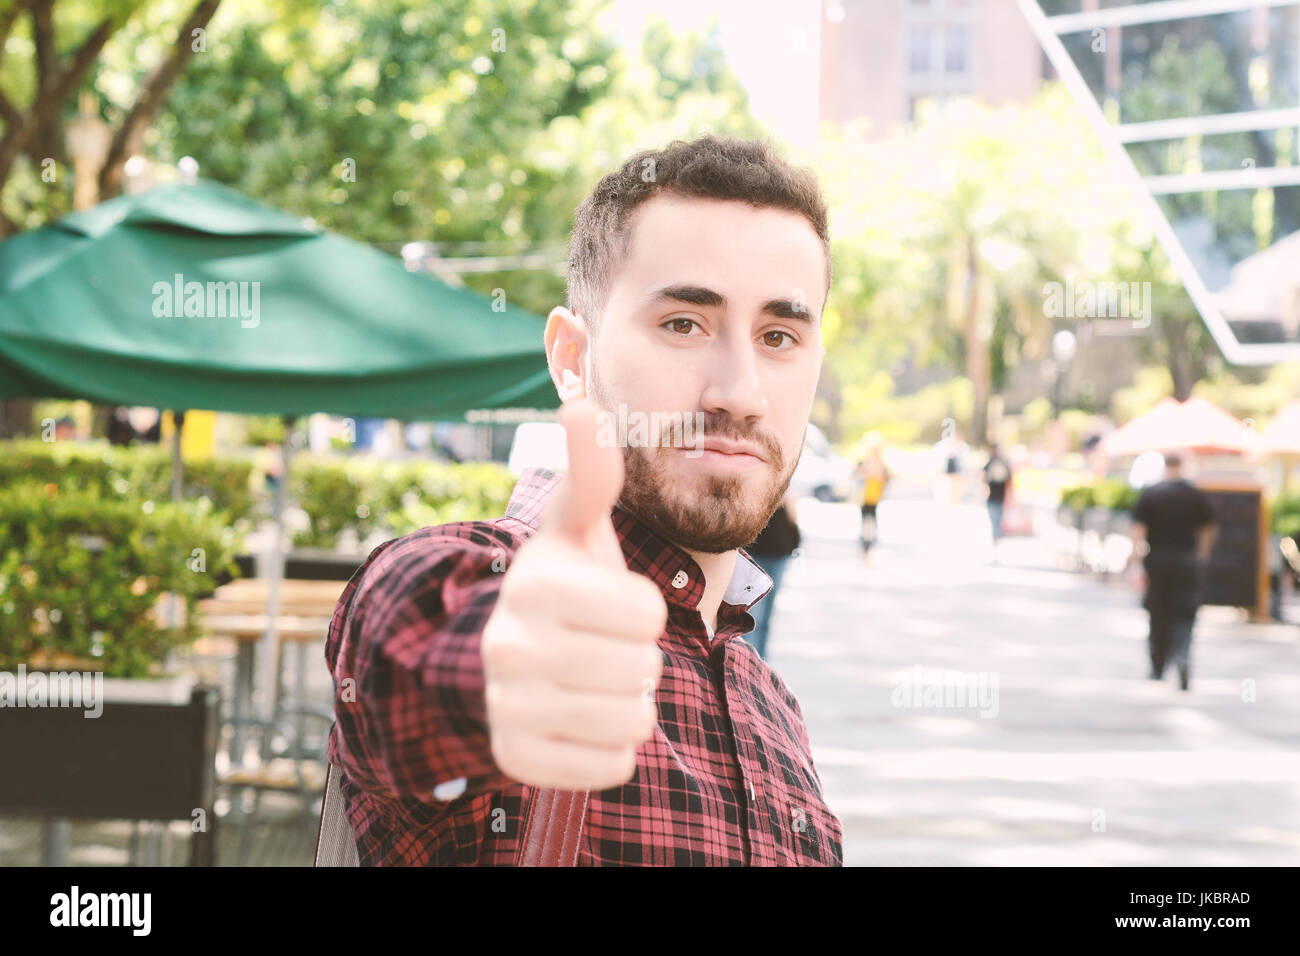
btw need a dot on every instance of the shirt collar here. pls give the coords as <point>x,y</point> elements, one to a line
<point>675,572</point>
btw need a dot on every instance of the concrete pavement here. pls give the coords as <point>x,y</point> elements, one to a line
<point>1078,759</point>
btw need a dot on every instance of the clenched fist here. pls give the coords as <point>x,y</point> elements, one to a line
<point>570,653</point>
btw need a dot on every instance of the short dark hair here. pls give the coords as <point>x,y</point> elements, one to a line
<point>1173,460</point>
<point>711,167</point>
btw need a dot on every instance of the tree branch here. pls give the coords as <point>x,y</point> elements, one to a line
<point>151,98</point>
<point>45,110</point>
<point>47,61</point>
<point>8,113</point>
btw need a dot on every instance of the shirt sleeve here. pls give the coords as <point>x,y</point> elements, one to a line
<point>1142,508</point>
<point>405,654</point>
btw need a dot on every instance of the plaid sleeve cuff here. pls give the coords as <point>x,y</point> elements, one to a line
<point>411,645</point>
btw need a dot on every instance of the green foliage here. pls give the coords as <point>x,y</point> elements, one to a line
<point>904,419</point>
<point>479,124</point>
<point>1007,197</point>
<point>1114,494</point>
<point>1286,516</point>
<point>260,429</point>
<point>138,473</point>
<point>81,573</point>
<point>1257,396</point>
<point>1079,498</point>
<point>366,496</point>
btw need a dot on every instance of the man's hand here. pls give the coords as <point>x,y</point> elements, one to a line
<point>570,653</point>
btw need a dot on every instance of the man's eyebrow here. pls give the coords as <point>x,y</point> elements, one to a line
<point>699,295</point>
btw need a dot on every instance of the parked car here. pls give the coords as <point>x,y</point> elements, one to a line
<point>821,472</point>
<point>538,445</point>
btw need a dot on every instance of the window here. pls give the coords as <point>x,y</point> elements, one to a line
<point>919,41</point>
<point>956,52</point>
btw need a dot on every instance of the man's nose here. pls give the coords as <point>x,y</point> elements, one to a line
<point>733,385</point>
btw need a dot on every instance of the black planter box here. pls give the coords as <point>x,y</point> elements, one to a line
<point>135,761</point>
<point>305,565</point>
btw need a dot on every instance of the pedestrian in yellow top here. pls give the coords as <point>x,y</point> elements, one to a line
<point>875,475</point>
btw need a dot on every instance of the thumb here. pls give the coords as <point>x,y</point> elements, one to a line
<point>593,484</point>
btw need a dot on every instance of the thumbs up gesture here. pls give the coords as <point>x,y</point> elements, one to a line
<point>570,653</point>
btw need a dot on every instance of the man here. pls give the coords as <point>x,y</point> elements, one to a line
<point>589,640</point>
<point>1173,530</point>
<point>997,476</point>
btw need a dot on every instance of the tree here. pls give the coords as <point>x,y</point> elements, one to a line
<point>949,232</point>
<point>61,50</point>
<point>479,125</point>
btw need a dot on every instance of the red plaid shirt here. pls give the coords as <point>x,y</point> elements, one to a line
<point>727,778</point>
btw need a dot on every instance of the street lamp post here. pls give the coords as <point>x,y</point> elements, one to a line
<point>88,139</point>
<point>1063,349</point>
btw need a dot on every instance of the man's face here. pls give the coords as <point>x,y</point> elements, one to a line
<point>716,310</point>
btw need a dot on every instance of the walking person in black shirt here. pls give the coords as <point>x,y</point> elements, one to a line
<point>997,475</point>
<point>772,550</point>
<point>1173,531</point>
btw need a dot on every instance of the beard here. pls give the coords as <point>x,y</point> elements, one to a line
<point>707,513</point>
<point>714,516</point>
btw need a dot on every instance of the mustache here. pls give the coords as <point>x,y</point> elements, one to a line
<point>722,425</point>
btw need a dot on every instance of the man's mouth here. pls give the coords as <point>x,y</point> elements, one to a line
<point>725,448</point>
<point>721,455</point>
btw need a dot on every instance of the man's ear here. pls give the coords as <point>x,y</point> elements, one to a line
<point>566,344</point>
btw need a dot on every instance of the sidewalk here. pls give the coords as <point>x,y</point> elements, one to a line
<point>1084,761</point>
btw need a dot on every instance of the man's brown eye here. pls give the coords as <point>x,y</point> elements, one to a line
<point>681,325</point>
<point>775,342</point>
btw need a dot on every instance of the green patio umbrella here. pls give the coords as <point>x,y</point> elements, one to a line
<point>195,296</point>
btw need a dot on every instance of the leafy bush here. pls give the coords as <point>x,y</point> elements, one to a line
<point>139,473</point>
<point>81,573</point>
<point>1286,516</point>
<point>337,496</point>
<point>393,498</point>
<point>1115,494</point>
<point>1079,498</point>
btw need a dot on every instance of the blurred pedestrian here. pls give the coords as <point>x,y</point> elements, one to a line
<point>874,475</point>
<point>997,479</point>
<point>120,430</point>
<point>1173,532</point>
<point>952,452</point>
<point>273,465</point>
<point>772,550</point>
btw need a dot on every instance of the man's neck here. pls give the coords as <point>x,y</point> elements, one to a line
<point>718,569</point>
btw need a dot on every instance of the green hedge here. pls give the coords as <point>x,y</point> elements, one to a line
<point>1113,493</point>
<point>392,498</point>
<point>80,574</point>
<point>1286,516</point>
<point>140,473</point>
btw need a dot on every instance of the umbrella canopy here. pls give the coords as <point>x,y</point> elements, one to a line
<point>1193,425</point>
<point>195,296</point>
<point>1282,435</point>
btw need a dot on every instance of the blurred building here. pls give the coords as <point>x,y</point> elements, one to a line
<point>881,58</point>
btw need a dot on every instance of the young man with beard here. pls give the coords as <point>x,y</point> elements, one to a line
<point>582,653</point>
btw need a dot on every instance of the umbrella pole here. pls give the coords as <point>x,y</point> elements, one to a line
<point>268,658</point>
<point>178,467</point>
<point>178,422</point>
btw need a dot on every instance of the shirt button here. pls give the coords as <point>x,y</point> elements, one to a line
<point>450,790</point>
<point>680,579</point>
<point>753,794</point>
